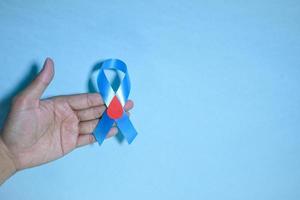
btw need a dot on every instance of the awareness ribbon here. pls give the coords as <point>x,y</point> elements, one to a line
<point>114,97</point>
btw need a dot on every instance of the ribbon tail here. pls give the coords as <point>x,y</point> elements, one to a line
<point>103,128</point>
<point>126,127</point>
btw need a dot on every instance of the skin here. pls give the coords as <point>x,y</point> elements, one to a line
<point>38,131</point>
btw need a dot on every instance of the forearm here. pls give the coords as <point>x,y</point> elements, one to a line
<point>7,166</point>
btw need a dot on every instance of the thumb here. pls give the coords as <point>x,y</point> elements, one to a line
<point>36,88</point>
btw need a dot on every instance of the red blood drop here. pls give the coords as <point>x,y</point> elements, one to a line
<point>115,109</point>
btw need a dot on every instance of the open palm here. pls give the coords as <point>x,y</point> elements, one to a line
<point>38,131</point>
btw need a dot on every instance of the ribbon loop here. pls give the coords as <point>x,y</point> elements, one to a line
<point>115,97</point>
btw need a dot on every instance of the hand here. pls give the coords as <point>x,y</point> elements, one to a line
<point>38,131</point>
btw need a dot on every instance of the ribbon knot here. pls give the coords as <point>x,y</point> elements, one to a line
<point>115,96</point>
<point>115,110</point>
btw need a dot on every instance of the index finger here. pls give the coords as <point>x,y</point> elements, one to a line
<point>83,101</point>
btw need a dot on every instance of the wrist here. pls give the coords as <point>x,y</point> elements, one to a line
<point>7,165</point>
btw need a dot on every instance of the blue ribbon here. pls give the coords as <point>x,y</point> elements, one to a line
<point>107,91</point>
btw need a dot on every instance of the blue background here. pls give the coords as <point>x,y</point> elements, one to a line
<point>216,87</point>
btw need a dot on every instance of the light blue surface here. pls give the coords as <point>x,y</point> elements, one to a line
<point>216,88</point>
